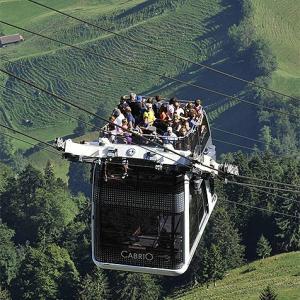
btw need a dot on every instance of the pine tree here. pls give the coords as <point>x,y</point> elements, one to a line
<point>95,286</point>
<point>264,248</point>
<point>49,174</point>
<point>8,256</point>
<point>222,233</point>
<point>4,294</point>
<point>140,287</point>
<point>81,125</point>
<point>289,228</point>
<point>6,148</point>
<point>268,294</point>
<point>46,274</point>
<point>213,265</point>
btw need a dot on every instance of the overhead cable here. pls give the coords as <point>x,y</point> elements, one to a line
<point>30,83</point>
<point>26,142</point>
<point>274,195</point>
<point>236,145</point>
<point>55,109</point>
<point>162,50</point>
<point>262,209</point>
<point>235,134</point>
<point>151,72</point>
<point>268,181</point>
<point>263,187</point>
<point>28,136</point>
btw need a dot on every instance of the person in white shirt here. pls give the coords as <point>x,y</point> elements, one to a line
<point>169,136</point>
<point>119,117</point>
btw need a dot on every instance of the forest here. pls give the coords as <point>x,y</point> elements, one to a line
<point>45,246</point>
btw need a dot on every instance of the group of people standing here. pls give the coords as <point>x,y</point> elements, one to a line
<point>153,115</point>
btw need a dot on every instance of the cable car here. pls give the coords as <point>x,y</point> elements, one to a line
<point>151,202</point>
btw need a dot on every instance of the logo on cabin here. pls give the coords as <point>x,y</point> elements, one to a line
<point>137,256</point>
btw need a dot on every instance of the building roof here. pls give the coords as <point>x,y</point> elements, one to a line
<point>7,39</point>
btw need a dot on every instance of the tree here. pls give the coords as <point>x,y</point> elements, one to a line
<point>4,294</point>
<point>95,286</point>
<point>289,229</point>
<point>81,125</point>
<point>262,60</point>
<point>46,274</point>
<point>6,148</point>
<point>221,232</point>
<point>5,173</point>
<point>140,287</point>
<point>241,35</point>
<point>264,248</point>
<point>8,256</point>
<point>266,137</point>
<point>35,212</point>
<point>49,175</point>
<point>213,266</point>
<point>268,294</point>
<point>50,212</point>
<point>79,178</point>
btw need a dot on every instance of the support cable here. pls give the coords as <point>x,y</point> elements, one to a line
<point>236,134</point>
<point>151,72</point>
<point>105,120</point>
<point>29,143</point>
<point>262,209</point>
<point>147,45</point>
<point>268,181</point>
<point>264,187</point>
<point>28,136</point>
<point>274,195</point>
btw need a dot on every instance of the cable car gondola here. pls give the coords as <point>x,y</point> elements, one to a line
<point>151,201</point>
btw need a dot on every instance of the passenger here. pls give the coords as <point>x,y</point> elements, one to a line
<point>182,132</point>
<point>132,97</point>
<point>130,119</point>
<point>149,116</point>
<point>185,124</point>
<point>176,124</point>
<point>169,137</point>
<point>127,139</point>
<point>163,113</point>
<point>111,130</point>
<point>123,104</point>
<point>118,117</point>
<point>136,108</point>
<point>188,109</point>
<point>171,108</point>
<point>198,107</point>
<point>193,119</point>
<point>177,109</point>
<point>124,125</point>
<point>157,105</point>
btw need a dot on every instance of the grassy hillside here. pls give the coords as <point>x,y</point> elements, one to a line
<point>281,272</point>
<point>278,22</point>
<point>195,29</point>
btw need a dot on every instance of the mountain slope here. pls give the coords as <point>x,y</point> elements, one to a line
<point>195,29</point>
<point>278,23</point>
<point>281,272</point>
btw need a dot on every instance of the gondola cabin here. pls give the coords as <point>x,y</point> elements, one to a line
<point>152,198</point>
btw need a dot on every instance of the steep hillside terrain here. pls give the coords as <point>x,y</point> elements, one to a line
<point>195,29</point>
<point>281,272</point>
<point>278,23</point>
